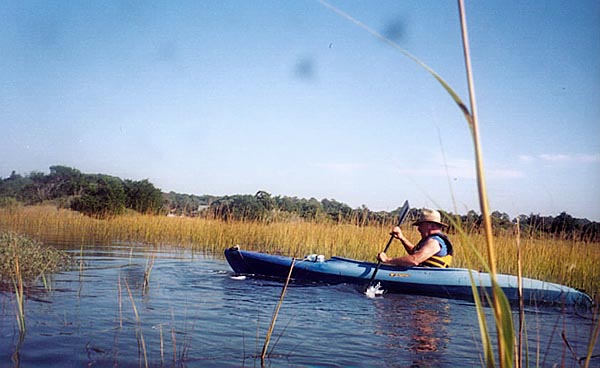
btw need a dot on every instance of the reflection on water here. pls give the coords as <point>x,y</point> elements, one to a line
<point>427,324</point>
<point>415,326</point>
<point>195,314</point>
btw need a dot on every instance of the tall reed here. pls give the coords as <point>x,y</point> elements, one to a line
<point>276,313</point>
<point>139,333</point>
<point>147,272</point>
<point>500,305</point>
<point>19,296</point>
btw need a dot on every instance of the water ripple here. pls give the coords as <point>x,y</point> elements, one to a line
<point>195,311</point>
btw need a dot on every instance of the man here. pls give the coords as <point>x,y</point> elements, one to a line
<point>433,250</point>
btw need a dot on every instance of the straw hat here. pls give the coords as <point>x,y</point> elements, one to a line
<point>428,215</point>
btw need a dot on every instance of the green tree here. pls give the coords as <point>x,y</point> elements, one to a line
<point>37,190</point>
<point>500,220</point>
<point>102,196</point>
<point>563,224</point>
<point>142,196</point>
<point>265,200</point>
<point>64,181</point>
<point>310,209</point>
<point>238,207</point>
<point>591,231</point>
<point>12,187</point>
<point>336,211</point>
<point>287,204</point>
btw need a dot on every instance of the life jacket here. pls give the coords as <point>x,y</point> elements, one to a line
<point>443,258</point>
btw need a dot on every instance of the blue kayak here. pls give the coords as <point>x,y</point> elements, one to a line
<point>453,283</point>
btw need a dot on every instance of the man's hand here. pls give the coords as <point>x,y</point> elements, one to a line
<point>396,232</point>
<point>383,257</point>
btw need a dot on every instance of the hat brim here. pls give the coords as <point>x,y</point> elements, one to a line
<point>417,223</point>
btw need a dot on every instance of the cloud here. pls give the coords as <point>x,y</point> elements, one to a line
<point>554,157</point>
<point>588,158</point>
<point>526,158</point>
<point>561,158</point>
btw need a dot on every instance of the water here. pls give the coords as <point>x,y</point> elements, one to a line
<point>195,314</point>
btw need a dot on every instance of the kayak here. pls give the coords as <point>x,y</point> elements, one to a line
<point>451,283</point>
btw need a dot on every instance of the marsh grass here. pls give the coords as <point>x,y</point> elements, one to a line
<point>22,262</point>
<point>570,262</point>
<point>36,259</point>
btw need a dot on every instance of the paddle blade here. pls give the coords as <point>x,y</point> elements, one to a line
<point>403,212</point>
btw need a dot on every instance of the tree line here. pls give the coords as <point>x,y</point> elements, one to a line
<point>102,195</point>
<point>92,194</point>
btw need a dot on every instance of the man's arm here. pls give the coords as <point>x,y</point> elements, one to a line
<point>397,233</point>
<point>430,248</point>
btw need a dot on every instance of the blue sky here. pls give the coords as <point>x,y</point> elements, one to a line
<point>232,97</point>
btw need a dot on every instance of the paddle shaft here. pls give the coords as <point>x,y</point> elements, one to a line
<point>403,213</point>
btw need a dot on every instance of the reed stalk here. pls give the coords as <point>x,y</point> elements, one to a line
<point>500,305</point>
<point>519,351</point>
<point>81,264</point>
<point>19,297</point>
<point>276,313</point>
<point>147,272</point>
<point>162,344</point>
<point>173,338</point>
<point>16,355</point>
<point>139,332</point>
<point>120,302</point>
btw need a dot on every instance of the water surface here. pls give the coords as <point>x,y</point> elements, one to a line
<point>195,314</point>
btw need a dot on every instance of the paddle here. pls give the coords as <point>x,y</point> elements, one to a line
<point>403,213</point>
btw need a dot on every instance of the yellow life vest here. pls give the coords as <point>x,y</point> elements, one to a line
<point>435,260</point>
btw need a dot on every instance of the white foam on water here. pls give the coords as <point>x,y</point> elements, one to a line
<point>374,291</point>
<point>240,277</point>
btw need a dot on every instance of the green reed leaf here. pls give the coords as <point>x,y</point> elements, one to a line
<point>483,329</point>
<point>504,323</point>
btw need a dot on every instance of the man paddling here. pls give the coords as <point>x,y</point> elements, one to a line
<point>433,250</point>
